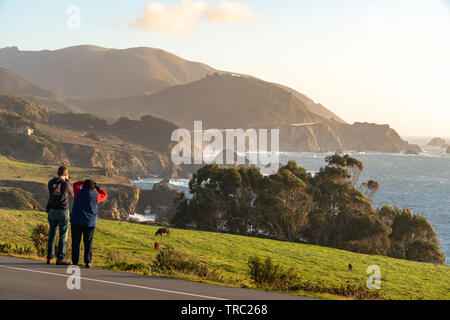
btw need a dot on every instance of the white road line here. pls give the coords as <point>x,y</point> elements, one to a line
<point>116,283</point>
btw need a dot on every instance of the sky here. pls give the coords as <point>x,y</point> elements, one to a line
<point>380,61</point>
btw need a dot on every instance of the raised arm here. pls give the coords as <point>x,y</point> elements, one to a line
<point>101,195</point>
<point>76,187</point>
<point>70,188</point>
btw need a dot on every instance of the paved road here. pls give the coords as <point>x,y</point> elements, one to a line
<point>30,279</point>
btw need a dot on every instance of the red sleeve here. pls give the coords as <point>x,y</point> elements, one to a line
<point>102,195</point>
<point>76,188</point>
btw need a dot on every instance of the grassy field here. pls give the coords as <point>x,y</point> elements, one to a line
<point>14,170</point>
<point>401,279</point>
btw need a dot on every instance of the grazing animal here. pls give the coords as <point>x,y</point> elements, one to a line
<point>161,231</point>
<point>350,267</point>
<point>156,246</point>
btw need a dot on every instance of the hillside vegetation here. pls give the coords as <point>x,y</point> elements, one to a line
<point>330,209</point>
<point>83,140</point>
<point>401,279</point>
<point>22,171</point>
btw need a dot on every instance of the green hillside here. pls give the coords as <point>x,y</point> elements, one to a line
<point>401,279</point>
<point>15,170</point>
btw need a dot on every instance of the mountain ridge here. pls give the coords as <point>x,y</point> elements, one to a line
<point>12,83</point>
<point>220,101</point>
<point>92,72</point>
<point>116,81</point>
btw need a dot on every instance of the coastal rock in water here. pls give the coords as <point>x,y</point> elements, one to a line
<point>121,202</point>
<point>413,149</point>
<point>437,142</point>
<point>160,199</point>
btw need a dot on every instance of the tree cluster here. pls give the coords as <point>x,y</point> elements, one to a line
<point>326,209</point>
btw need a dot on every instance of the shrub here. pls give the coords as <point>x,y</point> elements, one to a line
<point>358,291</point>
<point>39,236</point>
<point>8,248</point>
<point>8,151</point>
<point>5,248</point>
<point>269,275</point>
<point>169,260</point>
<point>113,257</point>
<point>22,250</point>
<point>139,267</point>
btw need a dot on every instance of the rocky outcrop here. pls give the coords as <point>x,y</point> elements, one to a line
<point>413,149</point>
<point>122,162</point>
<point>116,161</point>
<point>121,202</point>
<point>332,136</point>
<point>437,142</point>
<point>160,199</point>
<point>61,138</point>
<point>17,198</point>
<point>35,192</point>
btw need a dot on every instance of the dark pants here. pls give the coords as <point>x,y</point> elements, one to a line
<point>57,219</point>
<point>88,238</point>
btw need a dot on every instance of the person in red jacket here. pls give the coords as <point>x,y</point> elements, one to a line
<point>83,218</point>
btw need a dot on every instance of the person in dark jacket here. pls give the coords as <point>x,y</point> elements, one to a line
<point>59,189</point>
<point>83,218</point>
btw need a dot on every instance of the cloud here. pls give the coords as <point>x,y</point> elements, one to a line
<point>229,11</point>
<point>183,18</point>
<point>178,19</point>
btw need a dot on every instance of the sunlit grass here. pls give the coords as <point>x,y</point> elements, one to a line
<point>401,279</point>
<point>22,171</point>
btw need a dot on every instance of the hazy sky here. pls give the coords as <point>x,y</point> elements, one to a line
<point>376,61</point>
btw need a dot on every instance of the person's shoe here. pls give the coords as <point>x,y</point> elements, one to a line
<point>49,261</point>
<point>62,263</point>
<point>88,265</point>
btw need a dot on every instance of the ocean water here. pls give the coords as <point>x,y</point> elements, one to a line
<point>419,182</point>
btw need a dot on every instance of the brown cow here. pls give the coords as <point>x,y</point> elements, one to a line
<point>156,246</point>
<point>161,231</point>
<point>350,267</point>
